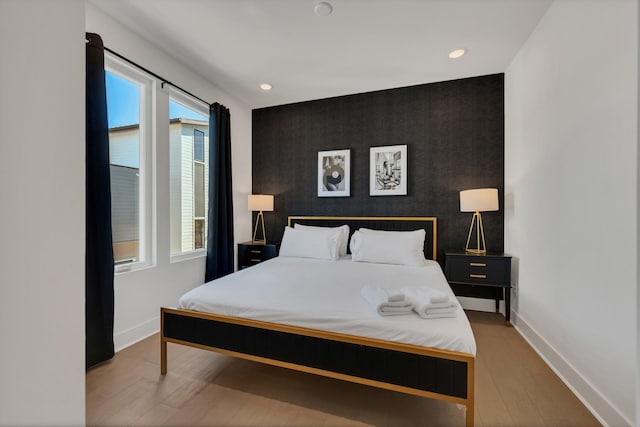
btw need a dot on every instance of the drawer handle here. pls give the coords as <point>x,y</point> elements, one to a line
<point>478,276</point>
<point>477,264</point>
<point>254,251</point>
<point>255,260</point>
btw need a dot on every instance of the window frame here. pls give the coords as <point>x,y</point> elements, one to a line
<point>200,107</point>
<point>147,87</point>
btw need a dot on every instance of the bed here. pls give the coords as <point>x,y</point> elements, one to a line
<point>347,341</point>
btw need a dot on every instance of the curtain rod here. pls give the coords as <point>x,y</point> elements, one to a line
<point>164,81</point>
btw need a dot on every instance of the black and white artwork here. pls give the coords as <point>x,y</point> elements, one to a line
<point>388,171</point>
<point>334,173</point>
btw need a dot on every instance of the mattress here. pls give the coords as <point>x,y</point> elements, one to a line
<point>326,295</point>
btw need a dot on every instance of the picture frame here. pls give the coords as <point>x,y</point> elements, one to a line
<point>388,170</point>
<point>334,173</point>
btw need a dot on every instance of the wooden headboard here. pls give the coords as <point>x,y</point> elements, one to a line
<point>429,224</point>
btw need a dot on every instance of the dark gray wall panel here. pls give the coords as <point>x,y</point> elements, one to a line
<point>454,132</point>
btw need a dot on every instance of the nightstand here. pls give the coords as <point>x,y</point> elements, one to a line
<point>481,276</point>
<point>250,253</point>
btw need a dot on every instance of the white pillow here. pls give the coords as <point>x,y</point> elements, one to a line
<point>310,244</point>
<point>372,231</point>
<point>388,247</point>
<point>344,237</point>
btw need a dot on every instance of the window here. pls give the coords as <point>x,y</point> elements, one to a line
<point>189,173</point>
<point>128,113</point>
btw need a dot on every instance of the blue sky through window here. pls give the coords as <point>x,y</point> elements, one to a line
<point>123,103</point>
<point>179,110</point>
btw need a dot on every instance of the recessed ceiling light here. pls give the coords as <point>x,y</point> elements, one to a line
<point>323,8</point>
<point>457,53</point>
<point>265,86</point>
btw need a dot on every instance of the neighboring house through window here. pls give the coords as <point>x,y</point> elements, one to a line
<point>189,173</point>
<point>125,194</point>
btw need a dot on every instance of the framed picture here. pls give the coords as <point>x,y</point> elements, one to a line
<point>388,170</point>
<point>334,173</point>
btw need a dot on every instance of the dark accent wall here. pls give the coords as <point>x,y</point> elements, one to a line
<point>454,132</point>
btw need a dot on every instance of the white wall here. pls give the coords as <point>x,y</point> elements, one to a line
<point>42,193</point>
<point>571,197</point>
<point>139,294</point>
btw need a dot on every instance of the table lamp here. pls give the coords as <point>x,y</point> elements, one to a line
<point>260,203</point>
<point>476,201</point>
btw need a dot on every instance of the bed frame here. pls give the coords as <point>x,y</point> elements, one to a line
<point>422,371</point>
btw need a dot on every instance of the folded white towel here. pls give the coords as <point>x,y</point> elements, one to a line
<point>379,300</point>
<point>425,308</point>
<point>394,295</point>
<point>434,295</point>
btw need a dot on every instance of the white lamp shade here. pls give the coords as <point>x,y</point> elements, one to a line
<point>479,199</point>
<point>260,202</point>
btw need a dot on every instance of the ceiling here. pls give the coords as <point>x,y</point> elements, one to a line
<point>364,45</point>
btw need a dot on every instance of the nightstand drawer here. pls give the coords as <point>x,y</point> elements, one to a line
<point>253,252</point>
<point>476,269</point>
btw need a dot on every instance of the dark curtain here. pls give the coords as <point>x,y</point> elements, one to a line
<point>99,248</point>
<point>220,233</point>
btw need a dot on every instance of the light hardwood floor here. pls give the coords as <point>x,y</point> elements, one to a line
<point>514,387</point>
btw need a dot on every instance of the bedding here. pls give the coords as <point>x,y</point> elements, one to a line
<point>326,295</point>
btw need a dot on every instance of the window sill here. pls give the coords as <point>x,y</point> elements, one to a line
<point>185,256</point>
<point>128,268</point>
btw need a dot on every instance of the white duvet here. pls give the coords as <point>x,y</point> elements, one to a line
<point>326,295</point>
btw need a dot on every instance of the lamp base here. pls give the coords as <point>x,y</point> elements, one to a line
<point>259,220</point>
<point>481,247</point>
<point>475,251</point>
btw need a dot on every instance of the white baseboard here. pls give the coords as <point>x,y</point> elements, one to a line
<point>596,403</point>
<point>139,332</point>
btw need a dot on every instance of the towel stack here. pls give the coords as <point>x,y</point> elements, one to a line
<point>387,302</point>
<point>430,303</point>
